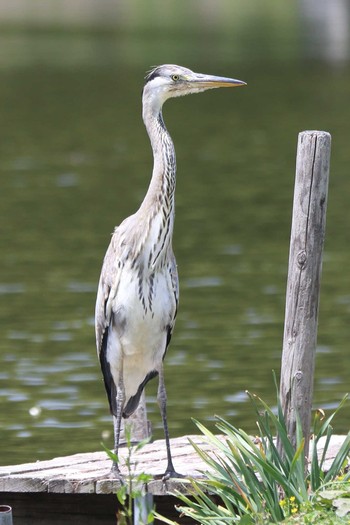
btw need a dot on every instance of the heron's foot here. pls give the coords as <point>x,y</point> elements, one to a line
<point>115,473</point>
<point>171,473</point>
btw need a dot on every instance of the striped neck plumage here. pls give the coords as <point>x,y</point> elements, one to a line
<point>161,191</point>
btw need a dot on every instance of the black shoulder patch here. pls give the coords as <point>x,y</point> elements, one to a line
<point>110,387</point>
<point>154,73</point>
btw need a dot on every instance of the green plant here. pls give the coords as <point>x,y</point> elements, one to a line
<point>131,494</point>
<point>328,507</point>
<point>337,498</point>
<point>250,481</point>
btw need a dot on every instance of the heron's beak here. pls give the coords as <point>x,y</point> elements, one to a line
<point>212,81</point>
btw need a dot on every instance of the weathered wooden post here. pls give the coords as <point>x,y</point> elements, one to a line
<point>304,274</point>
<point>5,515</point>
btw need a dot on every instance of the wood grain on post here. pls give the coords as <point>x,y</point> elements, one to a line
<point>304,274</point>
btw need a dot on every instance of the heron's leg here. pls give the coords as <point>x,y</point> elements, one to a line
<point>162,399</point>
<point>118,418</point>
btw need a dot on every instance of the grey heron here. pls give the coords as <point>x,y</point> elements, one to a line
<point>138,290</point>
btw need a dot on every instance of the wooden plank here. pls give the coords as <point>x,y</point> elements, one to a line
<point>90,473</point>
<point>304,274</point>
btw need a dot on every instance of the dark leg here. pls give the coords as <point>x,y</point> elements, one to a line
<point>162,399</point>
<point>117,420</point>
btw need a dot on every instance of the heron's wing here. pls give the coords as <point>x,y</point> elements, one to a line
<point>174,280</point>
<point>105,331</point>
<point>116,253</point>
<point>109,280</point>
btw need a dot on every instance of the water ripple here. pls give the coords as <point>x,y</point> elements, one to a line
<point>11,288</point>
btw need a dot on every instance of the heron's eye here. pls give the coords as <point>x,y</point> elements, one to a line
<point>175,77</point>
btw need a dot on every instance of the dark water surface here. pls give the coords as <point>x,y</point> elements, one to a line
<point>75,160</point>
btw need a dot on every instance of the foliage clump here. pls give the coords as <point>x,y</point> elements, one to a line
<point>252,481</point>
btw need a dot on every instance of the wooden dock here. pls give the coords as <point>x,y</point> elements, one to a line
<point>79,490</point>
<point>89,473</point>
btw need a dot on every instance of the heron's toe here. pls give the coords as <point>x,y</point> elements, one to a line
<point>172,474</point>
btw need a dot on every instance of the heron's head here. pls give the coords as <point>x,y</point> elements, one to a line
<point>169,81</point>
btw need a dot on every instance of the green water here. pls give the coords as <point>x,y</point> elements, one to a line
<point>75,160</point>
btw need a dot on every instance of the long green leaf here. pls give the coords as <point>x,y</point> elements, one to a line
<point>328,437</point>
<point>339,460</point>
<point>326,424</point>
<point>315,471</point>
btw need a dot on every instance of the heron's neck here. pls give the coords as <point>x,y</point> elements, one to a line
<point>160,196</point>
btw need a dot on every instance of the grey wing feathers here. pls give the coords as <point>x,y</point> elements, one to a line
<point>103,318</point>
<point>174,280</point>
<point>102,312</point>
<point>108,284</point>
<point>175,286</point>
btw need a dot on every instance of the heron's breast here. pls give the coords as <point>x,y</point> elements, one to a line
<point>143,310</point>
